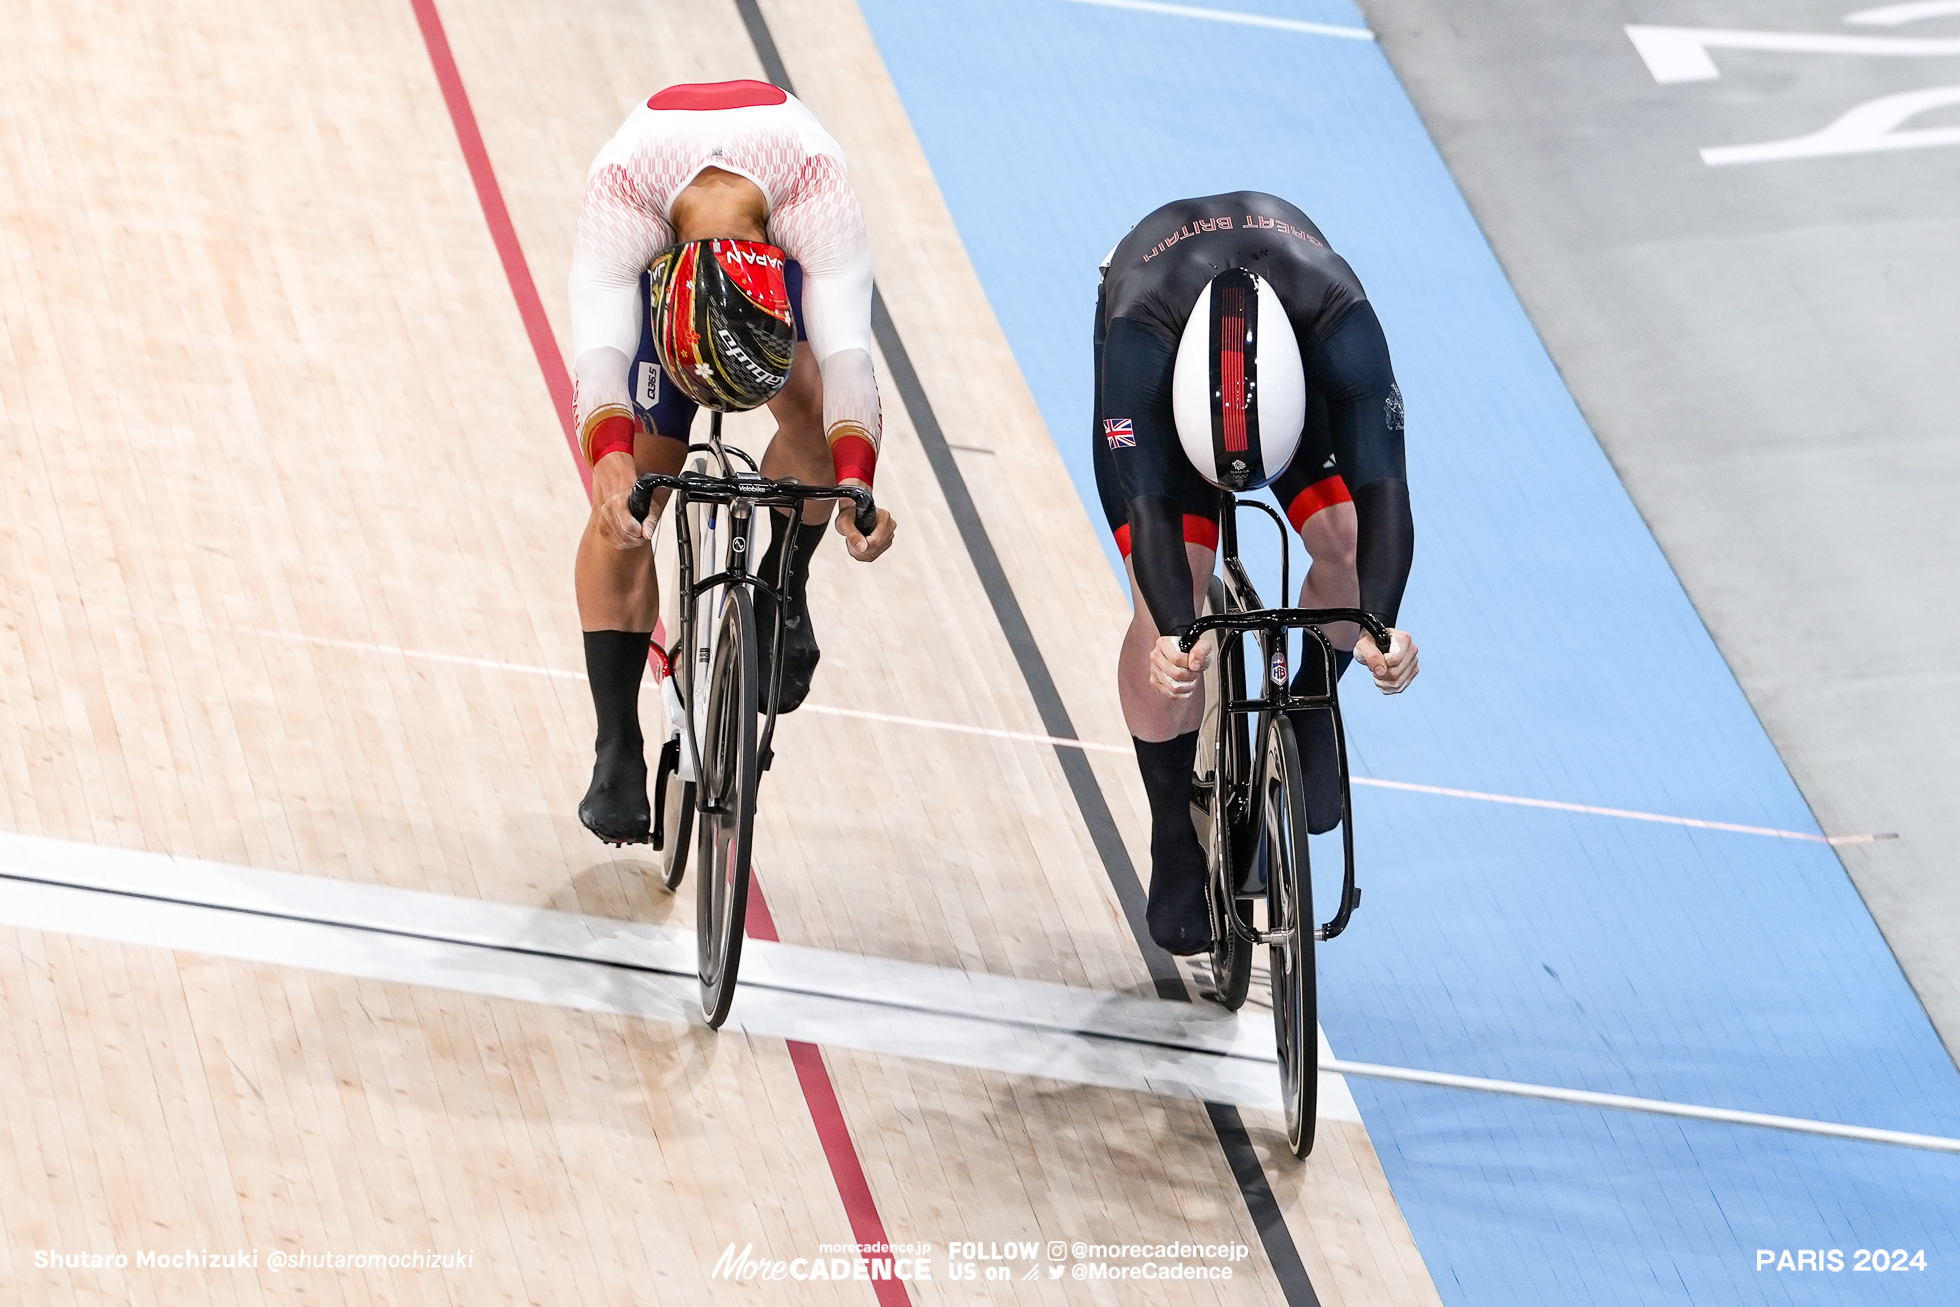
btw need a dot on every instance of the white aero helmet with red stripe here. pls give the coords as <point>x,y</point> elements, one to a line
<point>1239,391</point>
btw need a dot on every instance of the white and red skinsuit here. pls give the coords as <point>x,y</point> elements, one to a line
<point>766,135</point>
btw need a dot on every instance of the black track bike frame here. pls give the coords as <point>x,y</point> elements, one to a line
<point>1245,615</point>
<point>737,484</point>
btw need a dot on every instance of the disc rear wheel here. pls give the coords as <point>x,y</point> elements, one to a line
<point>725,805</point>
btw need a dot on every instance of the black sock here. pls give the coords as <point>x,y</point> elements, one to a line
<point>1312,676</point>
<point>808,536</point>
<point>1167,763</point>
<point>1313,730</point>
<point>614,661</point>
<point>1176,910</point>
<point>1166,768</point>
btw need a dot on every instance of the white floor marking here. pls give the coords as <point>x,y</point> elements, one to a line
<point>1681,54</point>
<point>1868,128</point>
<point>874,1005</point>
<point>1897,15</point>
<point>1028,737</point>
<point>1228,16</point>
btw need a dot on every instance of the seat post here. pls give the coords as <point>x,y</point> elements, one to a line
<point>714,440</point>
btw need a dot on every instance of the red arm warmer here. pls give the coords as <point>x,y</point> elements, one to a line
<point>611,433</point>
<point>853,455</point>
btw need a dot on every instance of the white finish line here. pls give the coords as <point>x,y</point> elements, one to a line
<point>600,964</point>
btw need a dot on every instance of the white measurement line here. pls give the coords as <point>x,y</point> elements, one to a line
<point>1029,737</point>
<point>1654,1106</point>
<point>328,642</point>
<point>875,1005</point>
<point>1023,737</point>
<point>1625,813</point>
<point>1229,16</point>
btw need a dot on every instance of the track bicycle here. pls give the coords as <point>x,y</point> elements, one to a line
<point>1248,801</point>
<point>716,749</point>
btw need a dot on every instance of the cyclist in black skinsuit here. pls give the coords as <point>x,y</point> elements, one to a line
<point>1345,490</point>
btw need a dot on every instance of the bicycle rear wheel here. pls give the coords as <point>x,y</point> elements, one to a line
<point>1215,773</point>
<point>1289,909</point>
<point>725,805</point>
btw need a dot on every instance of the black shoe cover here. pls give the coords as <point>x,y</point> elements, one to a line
<point>1179,920</point>
<point>800,652</point>
<point>1313,731</point>
<point>615,807</point>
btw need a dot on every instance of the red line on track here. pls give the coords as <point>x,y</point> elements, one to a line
<point>491,196</point>
<point>832,1130</point>
<point>846,1170</point>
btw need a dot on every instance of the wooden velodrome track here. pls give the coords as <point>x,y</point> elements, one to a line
<point>284,486</point>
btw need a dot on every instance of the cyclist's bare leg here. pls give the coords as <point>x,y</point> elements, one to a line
<point>1166,734</point>
<point>1329,536</point>
<point>1149,714</point>
<point>616,587</point>
<point>799,448</point>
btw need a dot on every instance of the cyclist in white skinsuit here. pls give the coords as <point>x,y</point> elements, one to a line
<point>740,162</point>
<point>765,135</point>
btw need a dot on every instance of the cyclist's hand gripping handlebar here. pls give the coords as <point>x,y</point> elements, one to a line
<point>640,502</point>
<point>866,516</point>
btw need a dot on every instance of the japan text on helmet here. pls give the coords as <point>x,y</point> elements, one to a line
<point>722,323</point>
<point>1239,392</point>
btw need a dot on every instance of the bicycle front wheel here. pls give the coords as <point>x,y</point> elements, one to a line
<point>725,805</point>
<point>1289,912</point>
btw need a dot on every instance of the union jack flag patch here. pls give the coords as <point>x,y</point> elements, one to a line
<point>1121,434</point>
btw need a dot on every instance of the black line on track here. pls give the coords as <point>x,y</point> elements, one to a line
<point>621,964</point>
<point>1027,654</point>
<point>1265,1209</point>
<point>1000,593</point>
<point>764,42</point>
<point>1082,783</point>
